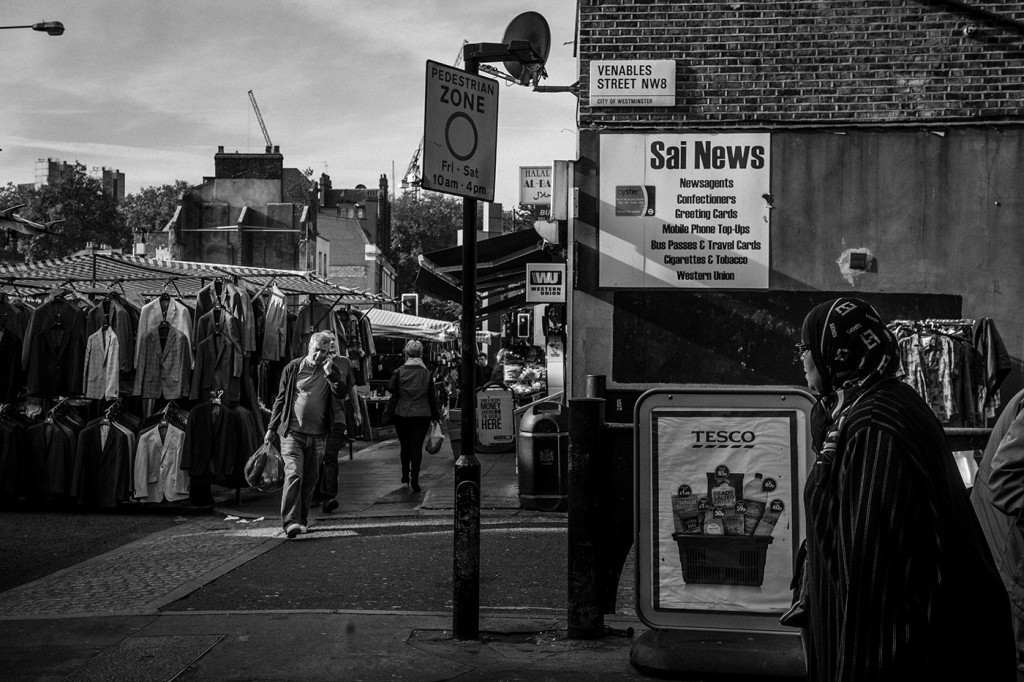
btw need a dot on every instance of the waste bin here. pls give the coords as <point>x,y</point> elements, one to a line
<point>542,457</point>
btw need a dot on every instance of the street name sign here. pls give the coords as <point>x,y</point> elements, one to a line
<point>460,132</point>
<point>633,83</point>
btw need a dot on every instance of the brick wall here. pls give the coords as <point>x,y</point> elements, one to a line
<point>817,62</point>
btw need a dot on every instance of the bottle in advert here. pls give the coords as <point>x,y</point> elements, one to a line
<point>766,526</point>
<point>756,497</point>
<point>715,521</point>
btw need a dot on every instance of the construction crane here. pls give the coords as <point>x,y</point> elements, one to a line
<point>259,117</point>
<point>412,171</point>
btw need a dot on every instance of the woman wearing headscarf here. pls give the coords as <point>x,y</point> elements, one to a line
<point>900,581</point>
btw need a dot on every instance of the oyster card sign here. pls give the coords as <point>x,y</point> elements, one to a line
<point>460,132</point>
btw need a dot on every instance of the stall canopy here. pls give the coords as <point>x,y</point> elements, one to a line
<point>391,324</point>
<point>501,270</point>
<point>143,278</point>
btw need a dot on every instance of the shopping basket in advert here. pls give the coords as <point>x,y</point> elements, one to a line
<point>722,559</point>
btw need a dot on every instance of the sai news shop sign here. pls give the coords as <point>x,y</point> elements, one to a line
<point>685,211</point>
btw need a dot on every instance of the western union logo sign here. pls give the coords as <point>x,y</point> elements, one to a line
<point>545,283</point>
<point>546,278</point>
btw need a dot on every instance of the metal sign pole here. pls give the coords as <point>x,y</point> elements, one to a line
<point>466,577</point>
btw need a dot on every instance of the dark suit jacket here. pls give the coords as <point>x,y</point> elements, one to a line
<point>218,440</point>
<point>53,357</point>
<point>102,470</point>
<point>13,321</point>
<point>229,326</point>
<point>236,301</point>
<point>216,361</point>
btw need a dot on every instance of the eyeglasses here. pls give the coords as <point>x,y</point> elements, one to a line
<point>801,348</point>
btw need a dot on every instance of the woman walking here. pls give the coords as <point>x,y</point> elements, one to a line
<point>415,406</point>
<point>900,581</point>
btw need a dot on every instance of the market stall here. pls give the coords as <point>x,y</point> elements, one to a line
<point>168,363</point>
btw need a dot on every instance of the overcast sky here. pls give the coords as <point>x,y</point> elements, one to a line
<point>153,88</point>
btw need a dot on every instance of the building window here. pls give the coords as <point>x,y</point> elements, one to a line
<point>360,212</point>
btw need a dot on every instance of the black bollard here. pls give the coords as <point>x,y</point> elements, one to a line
<point>586,428</point>
<point>466,569</point>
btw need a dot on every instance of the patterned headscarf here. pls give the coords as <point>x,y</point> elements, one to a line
<point>852,350</point>
<point>850,345</point>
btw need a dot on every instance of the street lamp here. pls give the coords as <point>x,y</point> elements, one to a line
<point>54,28</point>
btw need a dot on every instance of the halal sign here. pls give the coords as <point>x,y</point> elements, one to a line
<point>460,132</point>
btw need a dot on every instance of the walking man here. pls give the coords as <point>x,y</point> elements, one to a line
<point>301,419</point>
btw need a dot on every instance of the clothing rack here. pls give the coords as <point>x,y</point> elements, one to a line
<point>950,397</point>
<point>53,410</point>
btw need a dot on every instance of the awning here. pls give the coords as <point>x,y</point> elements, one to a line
<point>501,269</point>
<point>143,278</point>
<point>399,325</point>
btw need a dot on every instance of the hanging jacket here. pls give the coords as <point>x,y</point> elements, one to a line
<point>164,372</point>
<point>53,355</point>
<point>152,315</point>
<point>158,473</point>
<point>102,377</point>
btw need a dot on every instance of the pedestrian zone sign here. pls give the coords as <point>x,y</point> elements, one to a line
<point>460,132</point>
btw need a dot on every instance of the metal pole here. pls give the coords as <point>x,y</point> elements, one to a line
<point>466,579</point>
<point>586,429</point>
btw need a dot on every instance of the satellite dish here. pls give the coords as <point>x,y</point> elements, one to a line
<point>533,28</point>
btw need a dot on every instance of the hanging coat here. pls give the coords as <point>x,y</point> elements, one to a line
<point>54,352</point>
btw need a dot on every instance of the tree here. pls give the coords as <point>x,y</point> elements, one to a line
<point>90,215</point>
<point>522,217</point>
<point>11,196</point>
<point>422,222</point>
<point>150,209</point>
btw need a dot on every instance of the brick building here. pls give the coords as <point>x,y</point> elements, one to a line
<point>253,211</point>
<point>357,222</point>
<point>872,148</point>
<point>50,170</point>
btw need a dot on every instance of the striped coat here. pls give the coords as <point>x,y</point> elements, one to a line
<point>901,581</point>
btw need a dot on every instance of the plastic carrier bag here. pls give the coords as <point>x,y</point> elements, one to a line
<point>264,469</point>
<point>435,438</point>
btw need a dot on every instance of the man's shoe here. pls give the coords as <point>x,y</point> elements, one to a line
<point>293,530</point>
<point>405,478</point>
<point>415,486</point>
<point>329,506</point>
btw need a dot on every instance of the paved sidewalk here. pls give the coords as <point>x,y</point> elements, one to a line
<point>370,486</point>
<point>102,619</point>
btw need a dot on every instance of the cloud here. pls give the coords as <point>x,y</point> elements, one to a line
<point>154,88</point>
